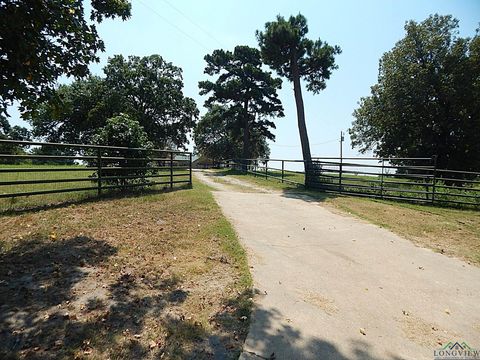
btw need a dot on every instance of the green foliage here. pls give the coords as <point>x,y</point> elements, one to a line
<point>44,39</point>
<point>147,89</point>
<point>151,91</point>
<point>122,131</point>
<point>4,126</point>
<point>217,136</point>
<point>53,151</point>
<point>76,113</point>
<point>284,44</point>
<point>247,94</point>
<point>12,133</point>
<point>287,50</point>
<point>19,133</point>
<point>427,99</point>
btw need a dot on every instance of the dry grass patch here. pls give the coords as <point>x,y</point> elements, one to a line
<point>141,277</point>
<point>451,232</point>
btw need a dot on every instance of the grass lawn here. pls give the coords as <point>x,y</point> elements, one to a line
<point>77,172</point>
<point>453,232</point>
<point>147,276</point>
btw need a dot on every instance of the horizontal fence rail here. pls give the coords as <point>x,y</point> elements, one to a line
<point>409,179</point>
<point>37,168</point>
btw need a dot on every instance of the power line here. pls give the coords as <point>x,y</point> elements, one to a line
<point>201,28</point>
<point>297,146</point>
<point>173,25</point>
<point>325,142</point>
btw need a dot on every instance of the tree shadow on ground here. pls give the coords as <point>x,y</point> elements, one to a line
<point>59,299</point>
<point>310,196</point>
<point>36,278</point>
<point>272,337</point>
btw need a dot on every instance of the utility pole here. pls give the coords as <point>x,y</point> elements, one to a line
<point>341,144</point>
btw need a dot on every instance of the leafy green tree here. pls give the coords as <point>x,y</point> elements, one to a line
<point>76,113</point>
<point>53,151</point>
<point>151,91</point>
<point>44,39</point>
<point>123,131</point>
<point>218,136</point>
<point>427,99</point>
<point>19,133</point>
<point>12,133</point>
<point>245,89</point>
<point>4,126</point>
<point>287,50</point>
<point>147,89</point>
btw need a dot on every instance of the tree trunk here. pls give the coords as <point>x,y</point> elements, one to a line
<point>246,135</point>
<point>302,127</point>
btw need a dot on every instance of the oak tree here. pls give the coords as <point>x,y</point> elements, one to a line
<point>147,89</point>
<point>427,99</point>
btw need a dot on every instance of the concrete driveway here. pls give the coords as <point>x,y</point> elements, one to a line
<point>334,287</point>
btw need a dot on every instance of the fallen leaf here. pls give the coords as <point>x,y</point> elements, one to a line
<point>362,331</point>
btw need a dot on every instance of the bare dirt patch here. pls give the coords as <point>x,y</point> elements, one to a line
<point>424,333</point>
<point>323,303</point>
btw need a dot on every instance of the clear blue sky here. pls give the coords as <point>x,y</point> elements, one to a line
<point>363,29</point>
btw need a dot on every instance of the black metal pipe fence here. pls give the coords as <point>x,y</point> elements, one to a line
<point>30,168</point>
<point>409,179</point>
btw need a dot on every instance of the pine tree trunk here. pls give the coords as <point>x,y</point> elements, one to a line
<point>302,127</point>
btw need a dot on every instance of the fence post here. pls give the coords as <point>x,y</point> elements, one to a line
<point>341,170</point>
<point>190,167</point>
<point>99,171</point>
<point>434,159</point>
<point>283,169</point>
<point>266,169</point>
<point>381,179</point>
<point>171,169</point>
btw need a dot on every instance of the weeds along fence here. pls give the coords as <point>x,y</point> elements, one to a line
<point>31,170</point>
<point>409,179</point>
